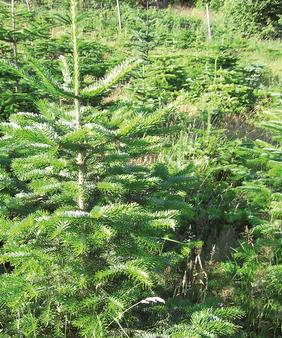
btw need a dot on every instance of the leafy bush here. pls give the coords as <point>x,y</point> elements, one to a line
<point>255,17</point>
<point>214,4</point>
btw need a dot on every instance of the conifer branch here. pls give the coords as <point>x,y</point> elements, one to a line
<point>109,81</point>
<point>45,84</point>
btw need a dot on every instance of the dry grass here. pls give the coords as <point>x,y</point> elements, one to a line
<point>268,53</point>
<point>113,96</point>
<point>189,11</point>
<point>190,109</point>
<point>57,32</point>
<point>241,127</point>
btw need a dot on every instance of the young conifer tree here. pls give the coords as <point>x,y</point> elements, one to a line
<point>256,268</point>
<point>81,238</point>
<point>18,28</point>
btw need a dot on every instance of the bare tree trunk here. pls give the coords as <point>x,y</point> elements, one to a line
<point>162,3</point>
<point>158,3</point>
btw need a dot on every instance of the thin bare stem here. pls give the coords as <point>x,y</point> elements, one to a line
<point>119,15</point>
<point>208,21</point>
<point>14,29</point>
<point>27,5</point>
<point>15,48</point>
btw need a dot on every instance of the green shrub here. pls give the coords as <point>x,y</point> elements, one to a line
<point>254,17</point>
